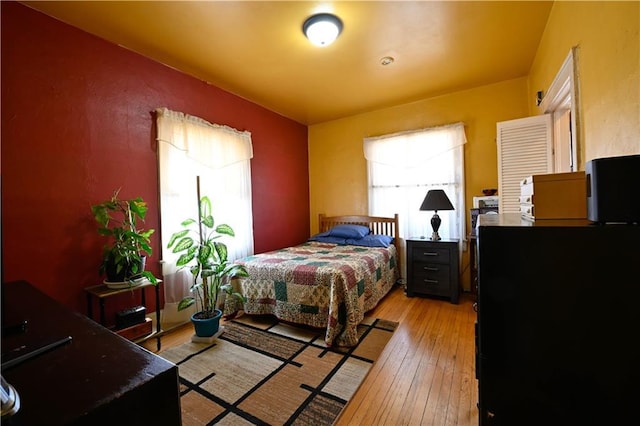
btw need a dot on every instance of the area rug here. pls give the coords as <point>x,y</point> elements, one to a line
<point>263,372</point>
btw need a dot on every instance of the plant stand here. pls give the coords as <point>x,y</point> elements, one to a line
<point>102,292</point>
<point>197,339</point>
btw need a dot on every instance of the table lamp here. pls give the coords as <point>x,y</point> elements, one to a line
<point>436,199</point>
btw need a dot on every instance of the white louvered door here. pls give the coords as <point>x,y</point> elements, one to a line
<point>524,149</point>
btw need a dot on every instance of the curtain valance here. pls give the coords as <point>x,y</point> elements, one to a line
<point>224,145</point>
<point>414,148</point>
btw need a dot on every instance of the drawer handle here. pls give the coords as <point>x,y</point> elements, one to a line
<point>431,281</point>
<point>429,253</point>
<point>427,268</point>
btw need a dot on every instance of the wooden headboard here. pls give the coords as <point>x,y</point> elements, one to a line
<point>378,225</point>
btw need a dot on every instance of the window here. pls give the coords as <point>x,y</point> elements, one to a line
<point>402,167</point>
<point>221,156</point>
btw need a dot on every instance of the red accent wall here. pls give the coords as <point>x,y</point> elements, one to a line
<point>77,124</point>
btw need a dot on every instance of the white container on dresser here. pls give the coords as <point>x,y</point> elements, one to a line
<point>554,196</point>
<point>490,201</point>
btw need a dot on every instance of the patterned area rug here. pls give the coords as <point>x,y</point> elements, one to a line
<point>263,372</point>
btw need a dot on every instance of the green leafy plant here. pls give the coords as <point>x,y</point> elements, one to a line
<point>206,259</point>
<point>124,259</point>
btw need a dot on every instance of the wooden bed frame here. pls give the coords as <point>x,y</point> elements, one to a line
<point>378,225</point>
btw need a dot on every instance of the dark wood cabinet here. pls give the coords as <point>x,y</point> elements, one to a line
<point>473,264</point>
<point>432,268</point>
<point>69,370</point>
<point>557,322</point>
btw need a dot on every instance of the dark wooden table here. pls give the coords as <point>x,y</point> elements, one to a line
<point>88,375</point>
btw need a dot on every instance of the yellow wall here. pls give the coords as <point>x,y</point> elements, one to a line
<point>608,60</point>
<point>337,168</point>
<point>609,78</point>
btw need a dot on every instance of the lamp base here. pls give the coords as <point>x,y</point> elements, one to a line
<point>435,224</point>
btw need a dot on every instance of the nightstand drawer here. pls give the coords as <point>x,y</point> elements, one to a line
<point>430,254</point>
<point>431,278</point>
<point>431,289</point>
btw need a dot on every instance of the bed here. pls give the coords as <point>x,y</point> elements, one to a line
<point>326,283</point>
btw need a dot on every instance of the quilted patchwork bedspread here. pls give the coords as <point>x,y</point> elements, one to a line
<point>320,285</point>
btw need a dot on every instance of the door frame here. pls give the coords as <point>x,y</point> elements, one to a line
<point>563,95</point>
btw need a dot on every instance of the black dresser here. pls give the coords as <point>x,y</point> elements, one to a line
<point>558,317</point>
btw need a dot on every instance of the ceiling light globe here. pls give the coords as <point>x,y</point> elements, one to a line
<point>322,29</point>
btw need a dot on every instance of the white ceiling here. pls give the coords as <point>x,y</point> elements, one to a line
<point>256,49</point>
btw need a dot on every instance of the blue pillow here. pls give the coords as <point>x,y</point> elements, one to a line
<point>349,231</point>
<point>324,237</point>
<point>371,240</point>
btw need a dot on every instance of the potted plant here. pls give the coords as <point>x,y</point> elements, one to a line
<point>123,261</point>
<point>206,257</point>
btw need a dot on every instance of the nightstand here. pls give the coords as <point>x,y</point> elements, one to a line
<point>432,268</point>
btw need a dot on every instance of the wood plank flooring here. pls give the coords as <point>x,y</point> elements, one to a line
<point>425,375</point>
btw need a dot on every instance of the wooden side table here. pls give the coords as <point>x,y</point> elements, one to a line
<point>433,268</point>
<point>102,292</point>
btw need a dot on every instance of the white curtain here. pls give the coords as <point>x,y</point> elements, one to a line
<point>188,147</point>
<point>402,167</point>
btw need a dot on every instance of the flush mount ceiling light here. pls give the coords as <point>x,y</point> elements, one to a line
<point>322,29</point>
<point>387,60</point>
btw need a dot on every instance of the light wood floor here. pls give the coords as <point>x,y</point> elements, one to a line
<point>426,373</point>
